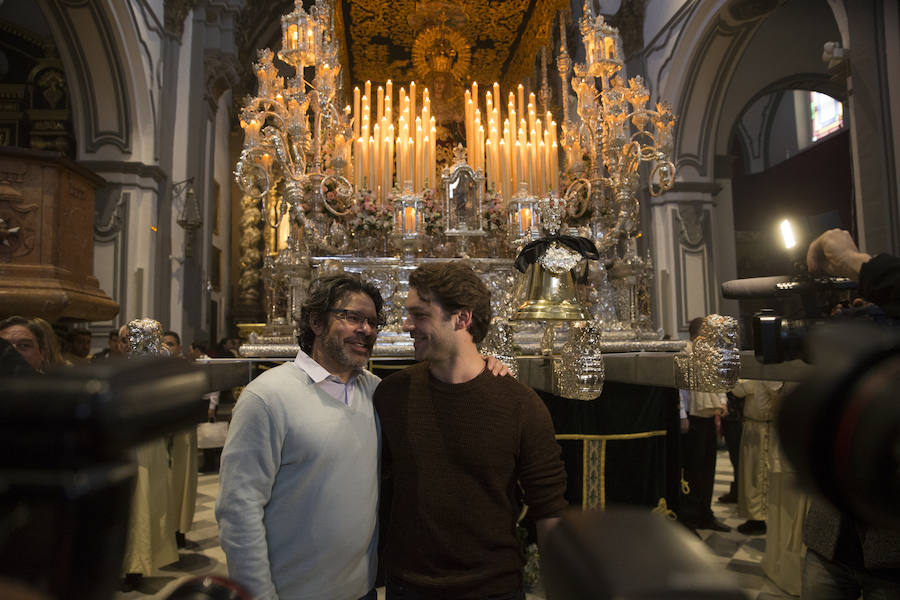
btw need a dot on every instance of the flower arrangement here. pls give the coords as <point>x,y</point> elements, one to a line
<point>432,212</point>
<point>494,218</point>
<point>371,217</point>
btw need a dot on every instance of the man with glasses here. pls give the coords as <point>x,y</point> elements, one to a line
<point>298,485</point>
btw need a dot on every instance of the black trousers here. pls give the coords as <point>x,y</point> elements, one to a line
<point>732,426</point>
<point>698,459</point>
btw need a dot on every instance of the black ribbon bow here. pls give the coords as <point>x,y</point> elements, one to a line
<point>533,251</point>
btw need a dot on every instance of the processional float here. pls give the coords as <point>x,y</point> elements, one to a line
<point>370,188</point>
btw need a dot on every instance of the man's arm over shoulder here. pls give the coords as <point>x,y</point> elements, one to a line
<point>250,462</point>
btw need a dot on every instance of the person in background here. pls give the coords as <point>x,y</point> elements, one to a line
<point>79,346</point>
<point>172,341</point>
<point>150,541</point>
<point>199,349</point>
<point>758,440</point>
<point>51,350</point>
<point>731,431</point>
<point>13,364</point>
<point>182,463</point>
<point>115,347</point>
<point>27,338</point>
<point>226,348</point>
<point>698,443</point>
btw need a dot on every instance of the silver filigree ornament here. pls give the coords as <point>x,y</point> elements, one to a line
<point>144,336</point>
<point>499,344</point>
<point>553,210</point>
<point>714,362</point>
<point>580,369</point>
<point>559,259</point>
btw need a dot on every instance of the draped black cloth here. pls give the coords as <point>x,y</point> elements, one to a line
<point>638,471</point>
<point>533,251</point>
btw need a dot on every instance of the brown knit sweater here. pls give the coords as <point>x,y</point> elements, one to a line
<point>455,453</point>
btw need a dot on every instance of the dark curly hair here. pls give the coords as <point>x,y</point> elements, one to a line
<point>323,294</point>
<point>455,286</point>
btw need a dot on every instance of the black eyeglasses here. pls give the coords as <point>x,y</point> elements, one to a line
<point>357,318</point>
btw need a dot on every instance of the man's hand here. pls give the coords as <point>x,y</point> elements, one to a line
<point>685,425</point>
<point>495,366</point>
<point>835,253</point>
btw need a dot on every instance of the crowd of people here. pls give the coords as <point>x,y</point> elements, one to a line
<point>44,346</point>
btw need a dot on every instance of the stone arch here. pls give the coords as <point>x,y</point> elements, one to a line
<point>105,56</point>
<point>712,60</point>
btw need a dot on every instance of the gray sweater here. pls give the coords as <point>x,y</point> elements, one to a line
<point>298,489</point>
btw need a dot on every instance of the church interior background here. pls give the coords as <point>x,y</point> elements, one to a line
<point>123,122</point>
<point>147,95</point>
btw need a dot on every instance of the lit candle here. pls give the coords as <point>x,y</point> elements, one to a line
<point>409,220</point>
<point>554,167</point>
<point>529,161</point>
<point>521,105</point>
<point>371,170</point>
<point>432,164</point>
<point>386,165</point>
<point>356,109</point>
<point>388,100</point>
<point>380,103</point>
<point>521,173</point>
<point>504,179</point>
<point>524,220</point>
<point>419,157</point>
<point>358,164</point>
<point>488,163</point>
<point>375,174</point>
<point>412,99</point>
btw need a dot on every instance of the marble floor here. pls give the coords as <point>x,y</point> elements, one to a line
<point>736,553</point>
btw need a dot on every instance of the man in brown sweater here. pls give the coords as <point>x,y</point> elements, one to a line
<point>458,442</point>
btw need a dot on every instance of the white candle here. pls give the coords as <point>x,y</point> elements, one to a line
<point>504,177</point>
<point>419,157</point>
<point>356,115</point>
<point>521,105</point>
<point>371,170</point>
<point>388,95</point>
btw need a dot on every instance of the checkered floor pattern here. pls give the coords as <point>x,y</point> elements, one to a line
<point>734,552</point>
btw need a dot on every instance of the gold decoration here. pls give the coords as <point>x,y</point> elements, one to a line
<point>663,510</point>
<point>441,50</point>
<point>593,470</point>
<point>510,27</point>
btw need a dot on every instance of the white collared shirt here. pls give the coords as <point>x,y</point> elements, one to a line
<point>348,393</point>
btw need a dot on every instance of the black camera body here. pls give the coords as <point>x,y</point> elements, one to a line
<point>778,338</point>
<point>840,428</point>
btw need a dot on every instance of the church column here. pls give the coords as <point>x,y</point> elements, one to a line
<point>872,36</point>
<point>207,70</point>
<point>690,247</point>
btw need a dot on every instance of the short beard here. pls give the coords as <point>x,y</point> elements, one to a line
<point>334,347</point>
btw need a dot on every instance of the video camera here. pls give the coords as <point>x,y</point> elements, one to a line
<point>778,338</point>
<point>840,427</point>
<point>67,473</point>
